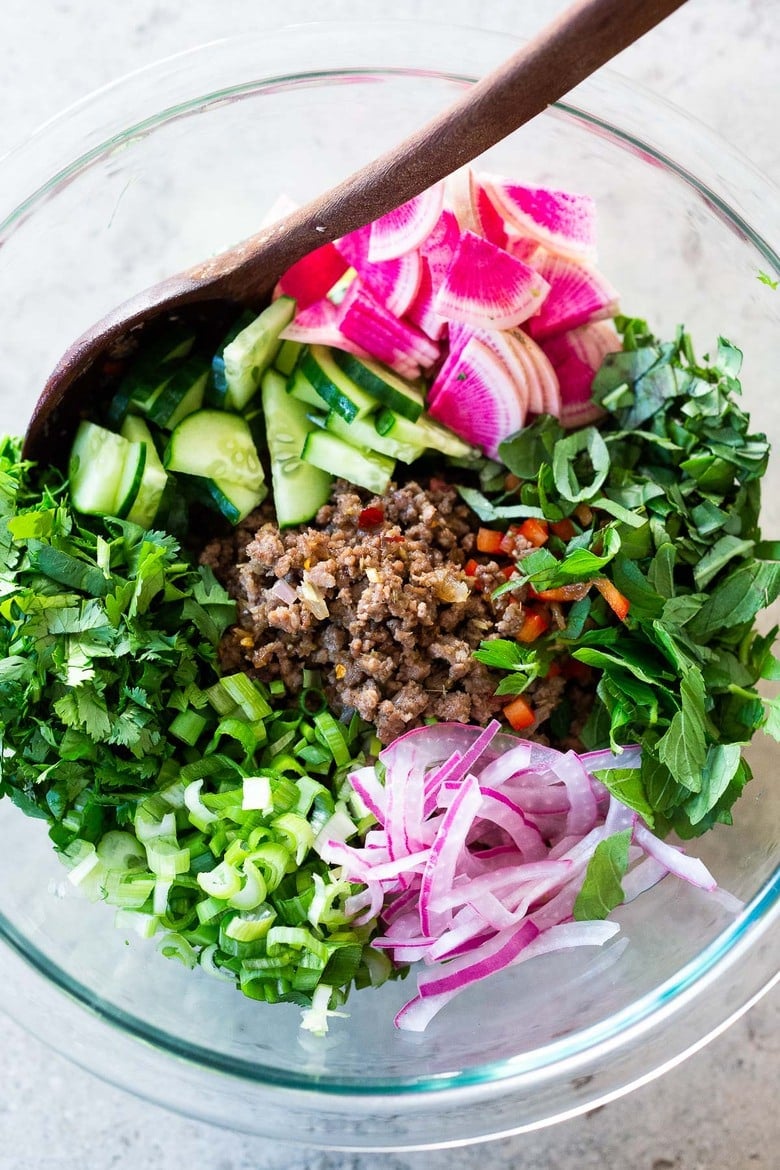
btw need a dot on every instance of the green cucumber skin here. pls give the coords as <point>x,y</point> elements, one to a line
<point>363,433</point>
<point>383,385</point>
<point>367,469</point>
<point>299,488</point>
<point>333,386</point>
<point>252,351</point>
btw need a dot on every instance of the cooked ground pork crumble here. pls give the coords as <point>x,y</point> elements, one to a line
<point>372,594</point>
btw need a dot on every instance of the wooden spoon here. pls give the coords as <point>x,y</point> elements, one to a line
<point>575,45</point>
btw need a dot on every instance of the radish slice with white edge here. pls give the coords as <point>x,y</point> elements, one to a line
<point>576,356</point>
<point>397,343</point>
<point>479,399</point>
<point>486,286</point>
<point>421,311</point>
<point>440,246</point>
<point>544,394</point>
<point>535,378</point>
<point>394,283</point>
<point>564,221</point>
<point>406,228</point>
<point>577,294</point>
<point>490,223</point>
<point>319,325</point>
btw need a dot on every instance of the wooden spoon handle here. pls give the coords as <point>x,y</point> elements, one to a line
<point>571,48</point>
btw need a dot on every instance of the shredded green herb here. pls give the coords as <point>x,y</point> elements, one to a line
<point>188,800</point>
<point>664,500</point>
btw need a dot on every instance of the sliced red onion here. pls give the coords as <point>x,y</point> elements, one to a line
<point>691,869</point>
<point>450,839</point>
<point>471,879</point>
<point>284,591</point>
<point>373,794</point>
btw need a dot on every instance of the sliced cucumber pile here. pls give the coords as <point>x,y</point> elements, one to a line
<point>187,425</point>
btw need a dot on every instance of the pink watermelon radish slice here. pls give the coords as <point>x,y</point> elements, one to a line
<point>421,311</point>
<point>486,286</point>
<point>534,377</point>
<point>478,398</point>
<point>577,294</point>
<point>313,276</point>
<point>576,356</point>
<point>318,324</point>
<point>394,283</point>
<point>544,392</point>
<point>523,248</point>
<point>561,220</point>
<point>406,228</point>
<point>399,344</point>
<point>439,248</point>
<point>490,224</point>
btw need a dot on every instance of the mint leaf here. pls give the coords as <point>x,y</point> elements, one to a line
<point>601,890</point>
<point>683,747</point>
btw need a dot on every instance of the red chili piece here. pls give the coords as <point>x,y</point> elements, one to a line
<point>371,517</point>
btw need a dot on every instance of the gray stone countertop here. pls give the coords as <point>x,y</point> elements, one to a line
<point>719,59</point>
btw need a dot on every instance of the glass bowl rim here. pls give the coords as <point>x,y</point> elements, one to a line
<point>599,97</point>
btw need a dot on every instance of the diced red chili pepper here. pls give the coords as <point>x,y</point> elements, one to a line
<point>470,568</point>
<point>563,529</point>
<point>553,670</point>
<point>509,571</point>
<point>574,592</point>
<point>371,517</point>
<point>489,540</point>
<point>519,713</point>
<point>535,622</point>
<point>617,602</point>
<point>536,532</point>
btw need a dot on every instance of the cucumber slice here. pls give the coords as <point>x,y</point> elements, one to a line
<point>300,489</point>
<point>96,469</point>
<point>216,390</point>
<point>333,385</point>
<point>363,433</point>
<point>153,483</point>
<point>216,445</point>
<point>248,356</point>
<point>233,500</point>
<point>382,384</point>
<point>299,386</point>
<point>180,395</point>
<point>131,479</point>
<point>287,357</point>
<point>425,432</point>
<point>147,373</point>
<point>367,469</point>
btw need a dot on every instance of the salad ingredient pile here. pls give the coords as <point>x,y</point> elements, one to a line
<point>268,645</point>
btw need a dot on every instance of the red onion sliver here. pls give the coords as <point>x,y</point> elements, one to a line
<point>691,869</point>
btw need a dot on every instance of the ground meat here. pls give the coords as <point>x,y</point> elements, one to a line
<point>383,608</point>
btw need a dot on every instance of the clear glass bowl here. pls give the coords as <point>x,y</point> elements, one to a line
<point>155,173</point>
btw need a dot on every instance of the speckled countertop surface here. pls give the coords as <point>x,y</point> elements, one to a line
<point>718,1111</point>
